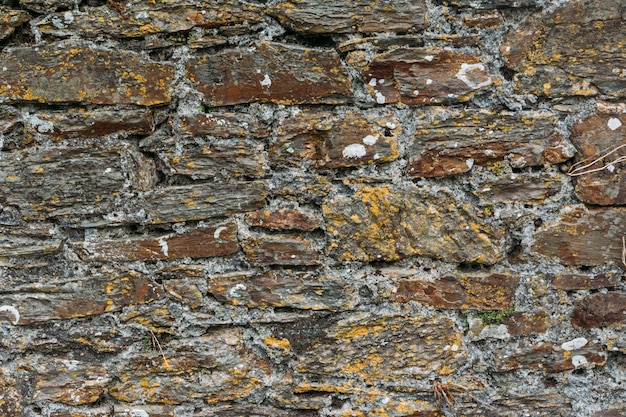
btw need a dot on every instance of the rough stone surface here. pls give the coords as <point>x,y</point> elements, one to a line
<point>599,310</point>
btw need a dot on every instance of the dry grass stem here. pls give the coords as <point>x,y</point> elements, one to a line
<point>586,168</point>
<point>155,342</point>
<point>624,250</point>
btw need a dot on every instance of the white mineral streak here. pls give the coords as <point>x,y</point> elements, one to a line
<point>356,150</point>
<point>13,311</point>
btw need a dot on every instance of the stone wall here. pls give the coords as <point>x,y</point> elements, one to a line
<point>312,208</point>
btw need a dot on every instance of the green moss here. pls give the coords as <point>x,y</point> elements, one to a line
<point>495,316</point>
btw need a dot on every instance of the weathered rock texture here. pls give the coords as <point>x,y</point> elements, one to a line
<point>299,208</point>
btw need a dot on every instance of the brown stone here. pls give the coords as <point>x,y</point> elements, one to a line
<point>285,219</point>
<point>10,398</point>
<point>584,237</point>
<point>519,187</point>
<point>451,141</point>
<point>549,358</point>
<point>491,4</point>
<point>124,411</point>
<point>475,292</point>
<point>599,310</point>
<point>71,183</point>
<point>67,381</point>
<point>216,367</point>
<point>221,125</point>
<point>526,323</point>
<point>572,50</point>
<point>44,6</point>
<point>80,123</point>
<point>310,16</point>
<point>280,250</point>
<point>543,404</point>
<point>236,410</point>
<point>570,282</point>
<point>601,183</point>
<point>10,20</point>
<point>280,289</point>
<point>71,72</point>
<point>489,19</point>
<point>202,201</point>
<point>617,412</point>
<point>333,141</point>
<point>203,242</point>
<point>271,72</point>
<point>390,223</point>
<point>102,292</point>
<point>301,187</point>
<point>425,76</point>
<point>184,290</point>
<point>32,240</point>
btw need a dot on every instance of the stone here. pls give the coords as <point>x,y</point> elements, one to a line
<point>285,219</point>
<point>359,347</point>
<point>569,282</point>
<point>125,411</point>
<point>602,183</point>
<point>549,358</point>
<point>10,398</point>
<point>584,236</point>
<point>309,16</point>
<point>423,76</point>
<point>203,242</point>
<point>81,123</point>
<point>216,367</point>
<point>210,159</point>
<point>450,141</point>
<point>489,19</point>
<point>476,292</point>
<point>280,250</point>
<point>333,141</point>
<point>385,223</point>
<point>10,20</point>
<point>185,291</point>
<point>526,323</point>
<point>67,381</point>
<point>202,201</point>
<point>236,410</point>
<point>490,4</point>
<point>98,75</point>
<point>571,50</point>
<point>101,292</point>
<point>45,6</point>
<point>33,240</point>
<point>71,183</point>
<point>599,310</point>
<point>221,125</point>
<point>617,412</point>
<point>543,404</point>
<point>140,18</point>
<point>300,187</point>
<point>271,72</point>
<point>302,290</point>
<point>519,188</point>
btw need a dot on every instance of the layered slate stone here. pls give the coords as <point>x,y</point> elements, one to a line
<point>335,141</point>
<point>141,18</point>
<point>550,358</point>
<point>220,125</point>
<point>126,411</point>
<point>105,291</point>
<point>81,123</point>
<point>584,237</point>
<point>544,404</point>
<point>202,201</point>
<point>78,72</point>
<point>603,182</point>
<point>372,348</point>
<point>310,16</point>
<point>271,72</point>
<point>45,6</point>
<point>71,183</point>
<point>569,282</point>
<point>490,4</point>
<point>600,310</point>
<point>285,219</point>
<point>475,292</point>
<point>32,240</point>
<point>421,76</point>
<point>390,223</point>
<point>302,290</point>
<point>10,20</point>
<point>520,188</point>
<point>213,240</point>
<point>216,367</point>
<point>451,141</point>
<point>573,50</point>
<point>280,250</point>
<point>10,398</point>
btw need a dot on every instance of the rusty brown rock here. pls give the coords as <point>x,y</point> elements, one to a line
<point>310,16</point>
<point>543,404</point>
<point>599,310</point>
<point>10,20</point>
<point>549,358</point>
<point>488,19</point>
<point>601,183</point>
<point>520,188</point>
<point>425,76</point>
<point>126,411</point>
<point>475,292</point>
<point>616,412</point>
<point>44,6</point>
<point>236,410</point>
<point>97,76</point>
<point>390,223</point>
<point>271,72</point>
<point>280,250</point>
<point>221,125</point>
<point>584,237</point>
<point>280,289</point>
<point>212,240</point>
<point>451,141</point>
<point>185,291</point>
<point>570,282</point>
<point>333,141</point>
<point>526,323</point>
<point>566,52</point>
<point>285,219</point>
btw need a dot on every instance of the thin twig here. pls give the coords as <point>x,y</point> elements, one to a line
<point>576,170</point>
<point>624,250</point>
<point>156,341</point>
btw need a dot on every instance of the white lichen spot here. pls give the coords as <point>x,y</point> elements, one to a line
<point>454,348</point>
<point>370,140</point>
<point>42,126</point>
<point>355,150</point>
<point>380,99</point>
<point>465,73</point>
<point>579,360</point>
<point>164,247</point>
<point>507,49</point>
<point>390,125</point>
<point>574,344</point>
<point>614,123</point>
<point>266,82</point>
<point>372,82</point>
<point>381,81</point>
<point>218,231</point>
<point>290,150</point>
<point>416,92</point>
<point>12,310</point>
<point>429,58</point>
<point>68,17</point>
<point>429,81</point>
<point>469,162</point>
<point>5,69</point>
<point>108,170</point>
<point>377,156</point>
<point>137,413</point>
<point>610,168</point>
<point>234,292</point>
<point>495,332</point>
